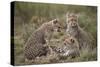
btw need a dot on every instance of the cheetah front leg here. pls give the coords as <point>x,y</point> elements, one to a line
<point>48,38</point>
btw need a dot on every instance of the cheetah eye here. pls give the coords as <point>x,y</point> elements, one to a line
<point>64,43</point>
<point>72,40</point>
<point>59,27</point>
<point>75,20</point>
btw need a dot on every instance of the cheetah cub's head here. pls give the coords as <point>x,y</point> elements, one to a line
<point>70,41</point>
<point>56,25</point>
<point>72,20</point>
<point>71,47</point>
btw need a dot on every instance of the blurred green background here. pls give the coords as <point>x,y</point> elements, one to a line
<point>29,16</point>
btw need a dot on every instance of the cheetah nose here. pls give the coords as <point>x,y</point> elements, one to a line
<point>74,24</point>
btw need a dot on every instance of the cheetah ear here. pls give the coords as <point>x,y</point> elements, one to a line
<point>72,40</point>
<point>55,21</point>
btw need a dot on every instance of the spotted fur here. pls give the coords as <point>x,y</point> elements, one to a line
<point>69,47</point>
<point>35,46</point>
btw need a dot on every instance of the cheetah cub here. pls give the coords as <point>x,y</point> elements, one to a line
<point>68,48</point>
<point>35,46</point>
<point>71,47</point>
<point>76,31</point>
